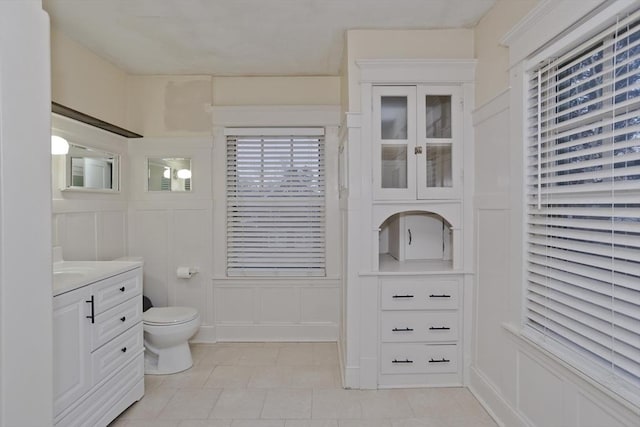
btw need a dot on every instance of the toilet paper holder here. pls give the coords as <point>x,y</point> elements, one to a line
<point>186,272</point>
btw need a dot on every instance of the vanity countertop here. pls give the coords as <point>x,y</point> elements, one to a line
<point>70,275</point>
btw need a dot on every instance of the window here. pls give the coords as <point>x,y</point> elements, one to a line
<point>275,202</point>
<point>582,297</point>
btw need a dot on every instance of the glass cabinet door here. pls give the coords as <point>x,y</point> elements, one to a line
<point>439,136</point>
<point>394,141</point>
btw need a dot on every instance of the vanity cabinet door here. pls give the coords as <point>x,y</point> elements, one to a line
<point>71,336</point>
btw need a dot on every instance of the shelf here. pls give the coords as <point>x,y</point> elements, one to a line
<point>388,264</point>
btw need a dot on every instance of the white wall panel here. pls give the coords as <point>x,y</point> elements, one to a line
<point>190,247</point>
<point>540,392</point>
<point>320,305</point>
<point>593,414</point>
<point>234,305</point>
<point>112,235</point>
<point>492,281</point>
<point>279,305</point>
<point>151,241</point>
<point>78,236</point>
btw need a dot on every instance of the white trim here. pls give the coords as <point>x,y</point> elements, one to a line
<point>301,332</point>
<point>205,335</point>
<point>288,131</point>
<point>275,115</point>
<point>424,71</point>
<point>550,18</point>
<point>493,401</point>
<point>354,120</point>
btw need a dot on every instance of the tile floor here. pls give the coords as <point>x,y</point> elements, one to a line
<point>288,385</point>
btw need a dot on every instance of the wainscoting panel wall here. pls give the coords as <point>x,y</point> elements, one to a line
<point>90,226</point>
<point>519,383</point>
<point>277,309</point>
<point>173,229</point>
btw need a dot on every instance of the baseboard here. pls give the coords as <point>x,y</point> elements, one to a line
<point>251,333</point>
<point>341,364</point>
<point>352,377</point>
<point>205,335</point>
<point>493,401</point>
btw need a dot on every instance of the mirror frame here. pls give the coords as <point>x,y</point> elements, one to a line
<point>115,171</point>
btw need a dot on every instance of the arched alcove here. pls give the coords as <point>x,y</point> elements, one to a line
<point>415,240</point>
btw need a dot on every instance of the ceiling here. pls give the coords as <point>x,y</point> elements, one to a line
<point>243,37</point>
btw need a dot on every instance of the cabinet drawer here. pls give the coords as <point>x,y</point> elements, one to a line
<point>117,289</point>
<point>406,326</point>
<point>419,295</point>
<point>113,322</point>
<point>117,353</point>
<point>419,358</point>
<point>102,399</point>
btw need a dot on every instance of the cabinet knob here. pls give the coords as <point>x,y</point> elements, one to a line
<point>123,349</point>
<point>443,360</point>
<point>403,296</point>
<point>402,361</point>
<point>439,296</point>
<point>122,289</point>
<point>439,328</point>
<point>123,318</point>
<point>417,150</point>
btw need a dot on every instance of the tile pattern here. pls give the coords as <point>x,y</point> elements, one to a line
<point>288,385</point>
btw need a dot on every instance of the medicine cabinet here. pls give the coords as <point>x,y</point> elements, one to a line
<point>88,169</point>
<point>417,133</point>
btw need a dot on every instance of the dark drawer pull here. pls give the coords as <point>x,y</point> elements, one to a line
<point>93,313</point>
<point>440,328</point>
<point>402,361</point>
<point>402,330</point>
<point>403,296</point>
<point>443,360</point>
<point>123,349</point>
<point>439,296</point>
<point>123,318</point>
<point>122,289</point>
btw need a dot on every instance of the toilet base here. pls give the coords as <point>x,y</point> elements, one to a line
<point>168,360</point>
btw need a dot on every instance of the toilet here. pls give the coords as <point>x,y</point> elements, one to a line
<point>166,339</point>
<point>167,331</point>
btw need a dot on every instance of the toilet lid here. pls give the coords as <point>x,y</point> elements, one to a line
<point>169,315</point>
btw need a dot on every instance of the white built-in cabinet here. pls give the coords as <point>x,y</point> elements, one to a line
<point>417,136</point>
<point>408,223</point>
<point>98,350</point>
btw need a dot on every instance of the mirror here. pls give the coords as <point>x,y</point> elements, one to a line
<point>173,174</point>
<point>91,169</point>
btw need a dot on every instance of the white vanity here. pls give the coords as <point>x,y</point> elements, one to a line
<point>98,340</point>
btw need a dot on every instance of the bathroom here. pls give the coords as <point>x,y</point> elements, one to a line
<point>184,116</point>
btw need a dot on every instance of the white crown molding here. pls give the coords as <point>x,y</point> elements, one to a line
<point>551,18</point>
<point>416,70</point>
<point>275,115</point>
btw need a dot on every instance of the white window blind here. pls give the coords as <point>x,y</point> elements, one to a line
<point>276,203</point>
<point>583,206</point>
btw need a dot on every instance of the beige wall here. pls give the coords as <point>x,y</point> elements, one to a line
<point>319,90</point>
<point>493,59</point>
<point>169,105</point>
<point>402,44</point>
<point>86,82</point>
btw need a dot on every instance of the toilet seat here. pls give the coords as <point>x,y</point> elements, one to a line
<point>169,315</point>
